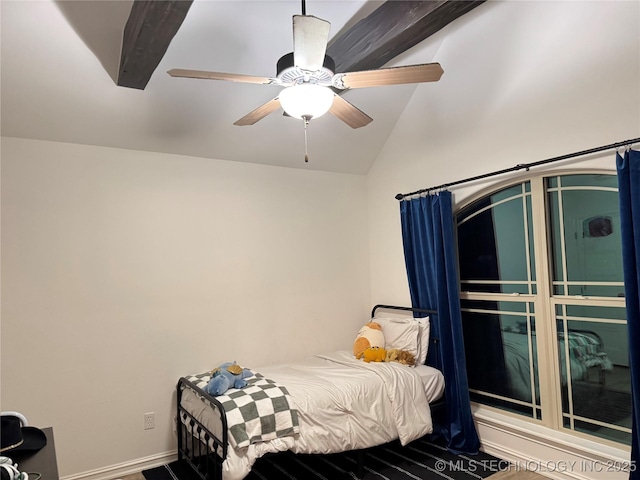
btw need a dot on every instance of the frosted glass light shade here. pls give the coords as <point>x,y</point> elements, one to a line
<point>306,99</point>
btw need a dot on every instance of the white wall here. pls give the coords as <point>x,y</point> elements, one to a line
<point>120,269</point>
<point>523,82</point>
<point>124,270</point>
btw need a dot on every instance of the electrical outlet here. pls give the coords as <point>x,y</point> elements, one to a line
<point>149,420</point>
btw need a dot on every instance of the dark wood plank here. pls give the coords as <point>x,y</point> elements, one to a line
<point>391,29</point>
<point>150,28</point>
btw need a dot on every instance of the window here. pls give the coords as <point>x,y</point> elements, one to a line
<point>543,303</point>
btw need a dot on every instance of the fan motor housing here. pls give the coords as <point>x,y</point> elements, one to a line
<point>288,73</point>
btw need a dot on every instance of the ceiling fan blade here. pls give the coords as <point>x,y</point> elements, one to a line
<point>259,113</point>
<point>231,77</point>
<point>310,37</point>
<point>427,72</point>
<point>349,114</point>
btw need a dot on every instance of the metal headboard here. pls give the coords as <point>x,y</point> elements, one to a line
<point>406,309</point>
<point>435,341</point>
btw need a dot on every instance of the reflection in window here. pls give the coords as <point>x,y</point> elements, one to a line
<point>597,227</point>
<point>585,233</point>
<point>500,345</point>
<point>592,340</point>
<point>496,256</point>
<point>494,249</point>
<point>587,325</point>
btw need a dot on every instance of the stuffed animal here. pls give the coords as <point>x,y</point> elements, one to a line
<point>226,376</point>
<point>369,335</point>
<point>400,356</point>
<point>374,354</point>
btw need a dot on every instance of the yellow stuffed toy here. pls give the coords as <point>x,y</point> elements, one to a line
<point>369,335</point>
<point>374,354</point>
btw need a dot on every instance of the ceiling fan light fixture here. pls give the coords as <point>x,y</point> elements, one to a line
<point>306,100</point>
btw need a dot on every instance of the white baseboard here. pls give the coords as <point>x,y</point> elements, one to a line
<point>527,446</point>
<point>557,455</point>
<point>127,468</point>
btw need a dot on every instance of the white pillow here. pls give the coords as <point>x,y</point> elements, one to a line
<point>423,339</point>
<point>400,333</point>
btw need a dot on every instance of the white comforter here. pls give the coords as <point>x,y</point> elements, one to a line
<point>343,404</point>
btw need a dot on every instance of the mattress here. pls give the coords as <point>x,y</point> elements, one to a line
<point>433,382</point>
<point>583,351</point>
<point>342,403</point>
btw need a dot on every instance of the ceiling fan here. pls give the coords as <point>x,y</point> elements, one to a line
<point>309,81</point>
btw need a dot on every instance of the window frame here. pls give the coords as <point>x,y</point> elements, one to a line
<point>544,300</point>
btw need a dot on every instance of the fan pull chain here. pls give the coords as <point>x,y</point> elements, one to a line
<point>306,145</point>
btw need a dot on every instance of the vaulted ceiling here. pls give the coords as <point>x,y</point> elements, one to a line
<point>393,28</point>
<point>93,72</point>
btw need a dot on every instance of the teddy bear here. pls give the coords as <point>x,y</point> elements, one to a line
<point>370,335</point>
<point>400,356</point>
<point>226,376</point>
<point>374,354</point>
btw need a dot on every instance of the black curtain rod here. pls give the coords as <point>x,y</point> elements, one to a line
<point>526,166</point>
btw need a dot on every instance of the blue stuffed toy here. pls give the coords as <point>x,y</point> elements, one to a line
<point>226,376</point>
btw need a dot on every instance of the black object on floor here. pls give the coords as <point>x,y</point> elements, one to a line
<point>597,403</point>
<point>172,471</point>
<point>420,460</point>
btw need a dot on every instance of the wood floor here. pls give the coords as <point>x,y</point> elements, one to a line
<point>135,476</point>
<point>506,475</point>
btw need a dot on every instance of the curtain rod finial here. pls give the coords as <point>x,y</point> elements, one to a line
<point>399,196</point>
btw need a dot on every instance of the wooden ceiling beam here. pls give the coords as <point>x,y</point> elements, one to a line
<point>151,26</point>
<point>391,29</point>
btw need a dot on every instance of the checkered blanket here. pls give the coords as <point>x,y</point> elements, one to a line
<point>587,349</point>
<point>259,412</point>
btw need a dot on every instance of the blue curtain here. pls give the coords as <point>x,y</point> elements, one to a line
<point>629,191</point>
<point>429,251</point>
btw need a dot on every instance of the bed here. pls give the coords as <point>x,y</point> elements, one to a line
<point>325,404</point>
<point>586,355</point>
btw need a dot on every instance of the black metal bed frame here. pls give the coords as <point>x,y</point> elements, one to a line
<point>205,451</point>
<point>200,448</point>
